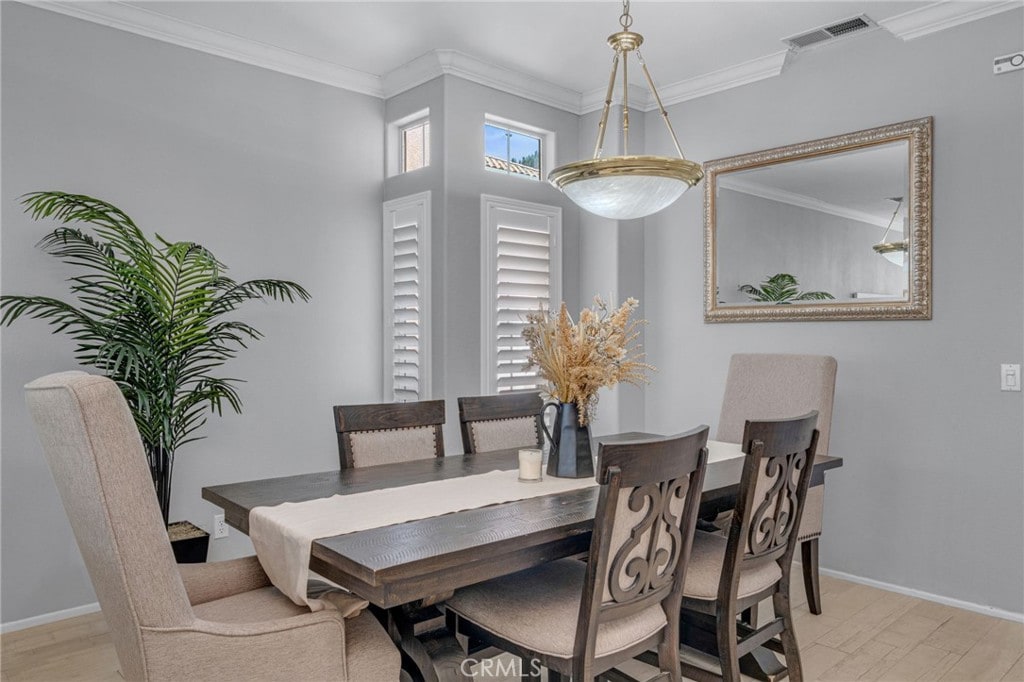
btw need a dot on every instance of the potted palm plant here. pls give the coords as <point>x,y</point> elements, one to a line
<point>153,315</point>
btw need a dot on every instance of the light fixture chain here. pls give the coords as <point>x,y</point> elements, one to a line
<point>661,107</point>
<point>625,20</point>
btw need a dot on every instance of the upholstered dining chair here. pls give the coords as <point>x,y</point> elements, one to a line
<point>497,422</point>
<point>728,575</point>
<point>772,386</point>
<point>389,433</point>
<point>219,620</point>
<point>582,619</point>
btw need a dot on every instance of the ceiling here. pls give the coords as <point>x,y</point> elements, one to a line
<point>552,47</point>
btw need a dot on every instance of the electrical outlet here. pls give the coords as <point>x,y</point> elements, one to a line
<point>220,527</point>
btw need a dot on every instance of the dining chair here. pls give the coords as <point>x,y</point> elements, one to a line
<point>498,422</point>
<point>773,386</point>
<point>730,574</point>
<point>582,619</point>
<point>388,433</point>
<point>220,620</point>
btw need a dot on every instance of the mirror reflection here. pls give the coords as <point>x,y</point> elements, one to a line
<point>825,228</point>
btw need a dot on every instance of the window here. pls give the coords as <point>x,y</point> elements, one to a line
<point>416,146</point>
<point>408,143</point>
<point>514,148</point>
<point>407,298</point>
<point>521,273</point>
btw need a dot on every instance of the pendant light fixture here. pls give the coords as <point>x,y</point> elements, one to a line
<point>626,187</point>
<point>894,252</point>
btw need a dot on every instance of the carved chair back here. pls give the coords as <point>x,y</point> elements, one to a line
<point>643,530</point>
<point>388,433</point>
<point>773,488</point>
<point>497,422</point>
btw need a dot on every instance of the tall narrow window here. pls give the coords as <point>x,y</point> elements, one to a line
<point>407,298</point>
<point>521,274</point>
<point>416,146</point>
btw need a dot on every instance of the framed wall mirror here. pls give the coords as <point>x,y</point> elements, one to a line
<point>833,229</point>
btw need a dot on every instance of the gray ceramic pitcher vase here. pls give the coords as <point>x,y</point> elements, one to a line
<point>570,455</point>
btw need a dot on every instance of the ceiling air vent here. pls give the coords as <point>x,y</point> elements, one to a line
<point>839,29</point>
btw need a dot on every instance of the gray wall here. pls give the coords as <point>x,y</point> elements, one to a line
<point>280,177</point>
<point>930,496</point>
<point>758,238</point>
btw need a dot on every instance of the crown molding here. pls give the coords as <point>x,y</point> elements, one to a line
<point>942,15</point>
<point>730,77</point>
<point>799,200</point>
<point>141,21</point>
<point>640,99</point>
<point>454,63</point>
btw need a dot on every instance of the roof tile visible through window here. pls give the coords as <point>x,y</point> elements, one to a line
<point>494,163</point>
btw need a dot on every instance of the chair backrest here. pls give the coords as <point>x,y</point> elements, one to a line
<point>773,488</point>
<point>643,529</point>
<point>498,422</point>
<point>387,433</point>
<point>98,463</point>
<point>776,386</point>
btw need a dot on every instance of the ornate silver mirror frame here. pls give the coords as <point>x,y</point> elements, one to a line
<point>914,305</point>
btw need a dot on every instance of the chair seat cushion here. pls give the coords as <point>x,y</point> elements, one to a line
<point>537,609</point>
<point>704,571</point>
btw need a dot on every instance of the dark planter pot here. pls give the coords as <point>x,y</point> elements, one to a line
<point>189,542</point>
<point>570,456</point>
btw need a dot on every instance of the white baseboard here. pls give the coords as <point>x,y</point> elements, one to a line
<point>927,596</point>
<point>45,618</point>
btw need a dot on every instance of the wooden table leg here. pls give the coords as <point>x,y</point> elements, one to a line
<point>809,557</point>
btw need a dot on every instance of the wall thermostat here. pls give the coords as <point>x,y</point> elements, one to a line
<point>1008,62</point>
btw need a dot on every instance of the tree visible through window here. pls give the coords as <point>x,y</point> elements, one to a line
<point>512,152</point>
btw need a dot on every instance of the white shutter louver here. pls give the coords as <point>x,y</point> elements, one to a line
<point>523,285</point>
<point>406,319</point>
<point>521,275</point>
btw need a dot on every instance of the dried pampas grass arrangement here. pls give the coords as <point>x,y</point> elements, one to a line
<point>577,359</point>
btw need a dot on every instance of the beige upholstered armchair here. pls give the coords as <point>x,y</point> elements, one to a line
<point>209,621</point>
<point>778,386</point>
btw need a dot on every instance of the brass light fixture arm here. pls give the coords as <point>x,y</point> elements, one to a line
<point>899,205</point>
<point>599,147</point>
<point>661,107</point>
<point>625,106</point>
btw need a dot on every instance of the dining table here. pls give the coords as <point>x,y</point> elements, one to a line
<point>404,568</point>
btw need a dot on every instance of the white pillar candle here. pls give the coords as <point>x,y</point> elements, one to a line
<point>529,464</point>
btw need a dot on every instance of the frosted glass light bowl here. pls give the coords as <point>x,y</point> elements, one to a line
<point>626,187</point>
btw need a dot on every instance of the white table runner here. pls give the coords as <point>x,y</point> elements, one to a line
<point>283,534</point>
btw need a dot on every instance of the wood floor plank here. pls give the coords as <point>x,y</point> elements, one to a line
<point>817,658</point>
<point>961,631</point>
<point>906,632</point>
<point>862,626</point>
<point>993,656</point>
<point>811,628</point>
<point>923,662</point>
<point>1016,673</point>
<point>852,666</point>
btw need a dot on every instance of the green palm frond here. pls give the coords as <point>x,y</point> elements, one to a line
<point>782,288</point>
<point>149,314</point>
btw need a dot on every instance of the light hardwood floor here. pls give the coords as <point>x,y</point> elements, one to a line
<point>864,634</point>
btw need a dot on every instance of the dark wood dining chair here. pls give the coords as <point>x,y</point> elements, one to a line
<point>498,422</point>
<point>582,619</point>
<point>388,433</point>
<point>728,575</point>
<point>773,386</point>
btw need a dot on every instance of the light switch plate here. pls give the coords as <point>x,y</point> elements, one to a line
<point>1009,377</point>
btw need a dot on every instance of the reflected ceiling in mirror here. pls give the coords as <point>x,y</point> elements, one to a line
<point>838,228</point>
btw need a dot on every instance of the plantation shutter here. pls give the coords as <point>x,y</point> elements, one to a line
<point>524,277</point>
<point>523,285</point>
<point>405,311</point>
<point>405,299</point>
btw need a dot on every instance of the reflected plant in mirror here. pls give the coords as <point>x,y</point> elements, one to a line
<point>850,216</point>
<point>782,288</point>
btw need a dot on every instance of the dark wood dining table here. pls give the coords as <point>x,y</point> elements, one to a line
<point>403,564</point>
